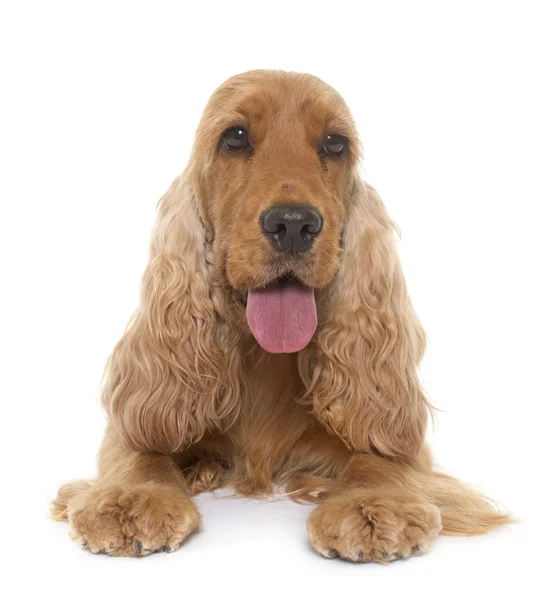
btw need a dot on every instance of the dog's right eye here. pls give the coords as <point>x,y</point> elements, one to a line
<point>235,138</point>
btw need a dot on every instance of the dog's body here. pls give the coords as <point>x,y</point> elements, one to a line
<point>275,344</point>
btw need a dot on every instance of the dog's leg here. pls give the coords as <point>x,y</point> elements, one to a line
<point>377,512</point>
<point>139,504</point>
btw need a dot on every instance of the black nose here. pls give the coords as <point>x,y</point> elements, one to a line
<point>291,228</point>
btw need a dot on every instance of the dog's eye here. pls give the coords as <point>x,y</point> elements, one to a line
<point>335,144</point>
<point>235,138</point>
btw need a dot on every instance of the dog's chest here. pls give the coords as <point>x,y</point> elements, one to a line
<point>275,437</point>
<point>270,420</point>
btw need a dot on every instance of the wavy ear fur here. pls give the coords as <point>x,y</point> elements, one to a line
<point>361,369</point>
<point>168,381</point>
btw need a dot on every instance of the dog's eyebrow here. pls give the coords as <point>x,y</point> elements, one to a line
<point>231,119</point>
<point>340,126</point>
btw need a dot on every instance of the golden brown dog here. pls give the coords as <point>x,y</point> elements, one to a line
<point>275,344</point>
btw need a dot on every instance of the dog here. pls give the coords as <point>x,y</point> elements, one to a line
<point>275,347</point>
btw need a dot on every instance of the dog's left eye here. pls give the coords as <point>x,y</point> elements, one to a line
<point>235,138</point>
<point>335,144</point>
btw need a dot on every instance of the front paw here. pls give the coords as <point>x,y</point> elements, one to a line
<point>374,526</point>
<point>131,520</point>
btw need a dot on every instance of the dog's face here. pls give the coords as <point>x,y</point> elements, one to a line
<point>277,152</point>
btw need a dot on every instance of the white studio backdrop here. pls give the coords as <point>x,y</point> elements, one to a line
<point>99,104</point>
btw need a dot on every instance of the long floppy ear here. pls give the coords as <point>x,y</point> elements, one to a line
<point>168,380</point>
<point>361,369</point>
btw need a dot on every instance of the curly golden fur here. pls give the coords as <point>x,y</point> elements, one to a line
<point>194,403</point>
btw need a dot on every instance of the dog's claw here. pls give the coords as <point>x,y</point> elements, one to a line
<point>138,548</point>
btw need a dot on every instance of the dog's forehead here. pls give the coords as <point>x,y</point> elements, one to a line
<point>266,97</point>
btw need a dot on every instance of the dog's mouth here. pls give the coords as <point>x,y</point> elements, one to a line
<point>282,316</point>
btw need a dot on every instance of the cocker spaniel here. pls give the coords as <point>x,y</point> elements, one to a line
<point>274,346</point>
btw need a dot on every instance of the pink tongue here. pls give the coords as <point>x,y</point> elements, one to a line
<point>282,317</point>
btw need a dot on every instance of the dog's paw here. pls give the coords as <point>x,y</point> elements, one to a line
<point>131,520</point>
<point>366,526</point>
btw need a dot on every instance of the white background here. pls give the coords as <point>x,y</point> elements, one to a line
<point>99,104</point>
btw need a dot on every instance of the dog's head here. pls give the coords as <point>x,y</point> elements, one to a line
<point>273,163</point>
